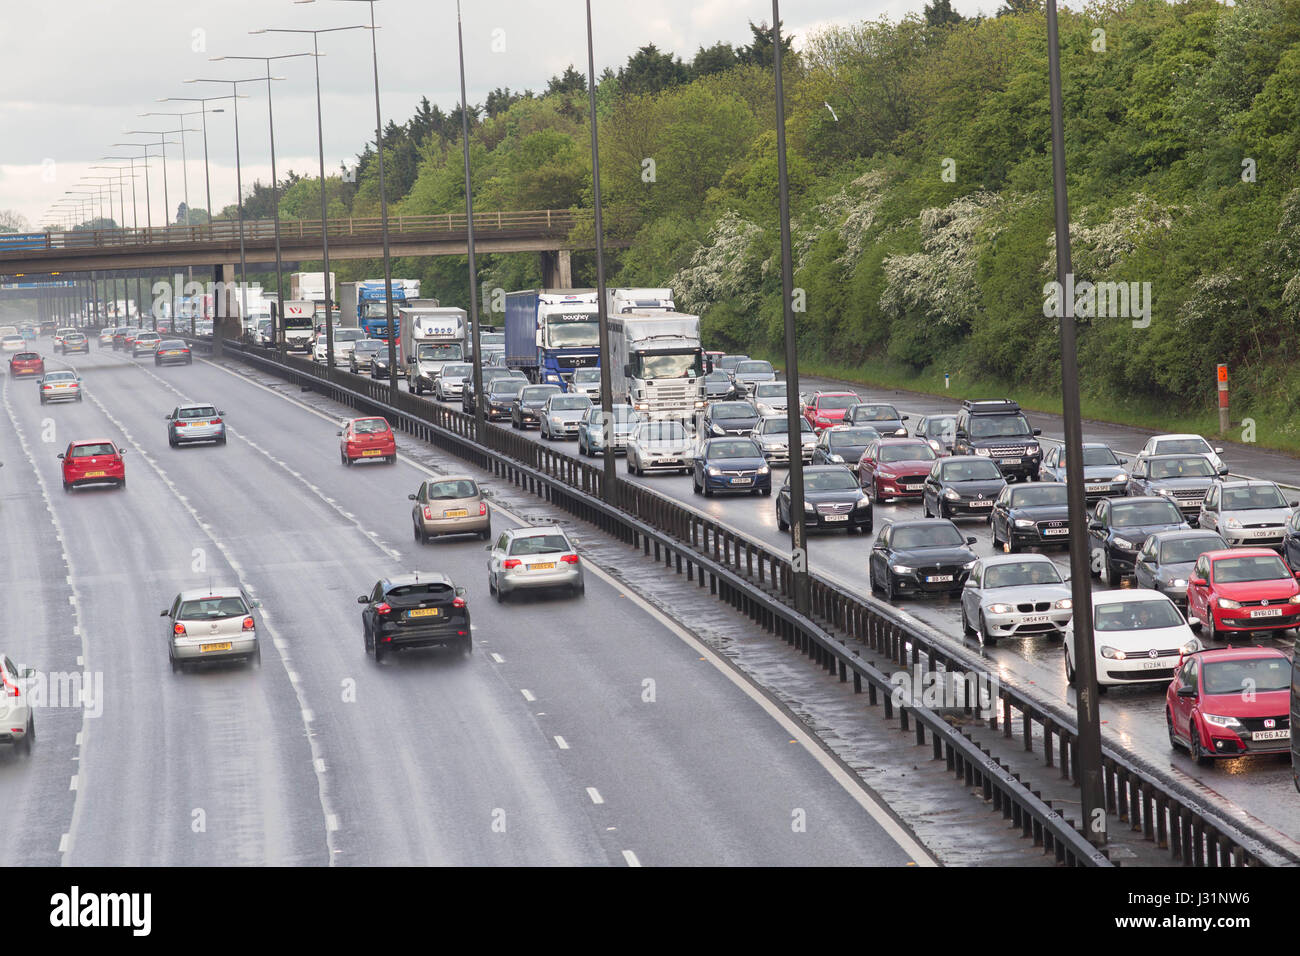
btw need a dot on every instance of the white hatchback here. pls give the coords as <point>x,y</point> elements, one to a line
<point>1139,637</point>
<point>17,723</point>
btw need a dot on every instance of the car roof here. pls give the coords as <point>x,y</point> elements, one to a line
<point>1177,454</point>
<point>1241,553</point>
<point>1175,533</point>
<point>813,469</point>
<point>910,441</point>
<point>1237,653</point>
<point>440,478</point>
<point>1126,594</point>
<point>921,522</point>
<point>416,577</point>
<point>197,593</point>
<point>93,441</point>
<point>369,418</point>
<point>535,532</point>
<point>197,405</point>
<point>833,392</point>
<point>996,559</point>
<point>1178,435</point>
<point>1247,483</point>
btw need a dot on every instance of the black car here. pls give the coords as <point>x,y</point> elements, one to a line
<point>962,485</point>
<point>727,418</point>
<point>489,375</point>
<point>925,556</point>
<point>882,417</point>
<point>1184,479</point>
<point>527,407</point>
<point>1291,541</point>
<point>1166,560</point>
<point>832,499</point>
<point>379,366</point>
<point>172,352</point>
<point>1104,475</point>
<point>939,432</point>
<point>501,394</point>
<point>1120,526</point>
<point>1026,516</point>
<point>421,609</point>
<point>718,386</point>
<point>999,430</point>
<point>843,445</point>
<point>731,464</point>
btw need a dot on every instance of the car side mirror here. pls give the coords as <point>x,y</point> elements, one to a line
<point>363,599</point>
<point>1218,451</point>
<point>410,497</point>
<point>903,418</point>
<point>488,548</point>
<point>1223,470</point>
<point>1093,524</point>
<point>1188,690</point>
<point>970,540</point>
<point>220,412</point>
<point>1038,431</point>
<point>60,454</point>
<point>167,418</point>
<point>1198,582</point>
<point>27,673</point>
<point>460,592</point>
<point>163,614</point>
<point>339,434</point>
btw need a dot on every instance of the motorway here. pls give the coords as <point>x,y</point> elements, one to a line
<point>540,749</point>
<point>1258,787</point>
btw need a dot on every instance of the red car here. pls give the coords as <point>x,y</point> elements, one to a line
<point>92,463</point>
<point>1242,589</point>
<point>827,409</point>
<point>367,438</point>
<point>1229,702</point>
<point>895,468</point>
<point>26,363</point>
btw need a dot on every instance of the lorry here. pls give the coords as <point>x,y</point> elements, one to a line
<point>310,287</point>
<point>551,332</point>
<point>299,324</point>
<point>364,304</point>
<point>430,337</point>
<point>656,362</point>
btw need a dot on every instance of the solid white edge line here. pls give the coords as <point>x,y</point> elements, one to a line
<point>595,795</point>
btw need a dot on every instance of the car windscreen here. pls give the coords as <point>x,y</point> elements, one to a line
<point>539,544</point>
<point>836,401</point>
<point>977,469</point>
<point>505,385</point>
<point>93,450</point>
<point>196,411</point>
<point>1187,550</point>
<point>457,370</point>
<point>1020,574</point>
<point>875,413</point>
<point>487,339</point>
<point>908,451</point>
<point>718,378</point>
<point>569,403</point>
<point>588,376</point>
<point>348,335</point>
<point>456,488</point>
<point>624,416</point>
<point>1136,615</point>
<point>60,376</point>
<point>999,426</point>
<point>1134,514</point>
<point>171,344</point>
<point>1192,466</point>
<point>440,353</point>
<point>1252,499</point>
<point>407,594</point>
<point>370,426</point>
<point>830,481</point>
<point>936,535</point>
<point>770,390</point>
<point>1180,446</point>
<point>369,345</point>
<point>941,428</point>
<point>212,609</point>
<point>733,449</point>
<point>27,356</point>
<point>731,361</point>
<point>538,393</point>
<point>1249,568</point>
<point>661,432</point>
<point>781,426</point>
<point>853,437</point>
<point>754,368</point>
<point>1255,674</point>
<point>740,410</point>
<point>1034,497</point>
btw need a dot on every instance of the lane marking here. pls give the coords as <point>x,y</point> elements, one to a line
<point>595,795</point>
<point>528,695</point>
<point>498,658</point>
<point>631,859</point>
<point>561,742</point>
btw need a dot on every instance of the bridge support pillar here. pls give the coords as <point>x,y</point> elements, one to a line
<point>557,269</point>
<point>226,321</point>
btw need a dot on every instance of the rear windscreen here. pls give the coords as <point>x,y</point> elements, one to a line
<point>212,609</point>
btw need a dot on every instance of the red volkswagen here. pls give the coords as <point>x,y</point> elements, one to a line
<point>92,463</point>
<point>895,468</point>
<point>26,363</point>
<point>1242,589</point>
<point>367,438</point>
<point>1229,702</point>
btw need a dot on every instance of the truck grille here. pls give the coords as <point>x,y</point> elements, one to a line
<point>576,361</point>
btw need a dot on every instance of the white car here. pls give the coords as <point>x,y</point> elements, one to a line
<point>660,446</point>
<point>1139,636</point>
<point>1247,513</point>
<point>1184,445</point>
<point>451,380</point>
<point>59,335</point>
<point>344,341</point>
<point>1015,595</point>
<point>12,343</point>
<point>17,723</point>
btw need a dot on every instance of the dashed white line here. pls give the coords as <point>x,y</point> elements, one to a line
<point>528,694</point>
<point>72,784</point>
<point>561,742</point>
<point>631,859</point>
<point>498,658</point>
<point>595,795</point>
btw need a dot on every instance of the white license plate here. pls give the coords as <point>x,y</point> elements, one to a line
<point>1010,461</point>
<point>1155,665</point>
<point>1271,735</point>
<point>1035,619</point>
<point>835,517</point>
<point>982,504</point>
<point>1263,534</point>
<point>1056,531</point>
<point>1096,488</point>
<point>937,578</point>
<point>1267,612</point>
<point>742,481</point>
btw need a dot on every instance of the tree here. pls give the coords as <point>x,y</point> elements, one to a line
<point>759,51</point>
<point>501,99</point>
<point>941,14</point>
<point>1012,7</point>
<point>12,221</point>
<point>716,59</point>
<point>570,81</point>
<point>650,71</point>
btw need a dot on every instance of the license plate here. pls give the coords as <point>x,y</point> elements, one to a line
<point>370,452</point>
<point>1271,735</point>
<point>59,385</point>
<point>835,517</point>
<point>424,612</point>
<point>1154,665</point>
<point>1035,619</point>
<point>204,648</point>
<point>104,474</point>
<point>460,513</point>
<point>982,504</point>
<point>198,424</point>
<point>1267,612</point>
<point>1263,534</point>
<point>742,481</point>
<point>1056,531</point>
<point>938,578</point>
<point>1010,461</point>
<point>544,566</point>
<point>1096,488</point>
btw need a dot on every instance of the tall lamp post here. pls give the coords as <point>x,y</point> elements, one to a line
<point>148,211</point>
<point>480,425</point>
<point>324,202</point>
<point>162,143</point>
<point>203,101</point>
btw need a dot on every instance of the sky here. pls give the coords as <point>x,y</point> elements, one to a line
<point>78,74</point>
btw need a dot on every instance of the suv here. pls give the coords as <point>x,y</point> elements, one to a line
<point>420,609</point>
<point>999,430</point>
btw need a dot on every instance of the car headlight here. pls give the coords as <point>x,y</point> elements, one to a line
<point>864,502</point>
<point>1232,523</point>
<point>934,445</point>
<point>809,507</point>
<point>1024,523</point>
<point>969,564</point>
<point>951,494</point>
<point>717,429</point>
<point>763,470</point>
<point>1191,647</point>
<point>901,569</point>
<point>1001,608</point>
<point>1031,449</point>
<point>1122,476</point>
<point>838,459</point>
<point>1229,605</point>
<point>1217,721</point>
<point>1180,583</point>
<point>1126,544</point>
<point>982,451</point>
<point>900,433</point>
<point>1294,599</point>
<point>714,470</point>
<point>1112,653</point>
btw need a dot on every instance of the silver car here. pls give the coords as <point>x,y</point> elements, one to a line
<point>770,397</point>
<point>451,380</point>
<point>1248,513</point>
<point>195,422</point>
<point>749,374</point>
<point>217,624</point>
<point>145,344</point>
<point>772,434</point>
<point>1015,595</point>
<point>525,559</point>
<point>452,505</point>
<point>660,446</point>
<point>586,381</point>
<point>363,354</point>
<point>562,414</point>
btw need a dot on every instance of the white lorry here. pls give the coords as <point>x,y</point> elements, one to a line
<point>656,362</point>
<point>430,337</point>
<point>299,325</point>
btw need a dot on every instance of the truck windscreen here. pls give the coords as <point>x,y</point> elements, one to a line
<point>670,365</point>
<point>298,322</point>
<point>441,353</point>
<point>573,331</point>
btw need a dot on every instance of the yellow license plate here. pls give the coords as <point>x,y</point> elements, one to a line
<point>96,474</point>
<point>459,513</point>
<point>424,612</point>
<point>545,566</point>
<point>204,648</point>
<point>370,452</point>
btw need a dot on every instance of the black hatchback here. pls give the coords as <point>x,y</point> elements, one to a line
<point>831,499</point>
<point>421,609</point>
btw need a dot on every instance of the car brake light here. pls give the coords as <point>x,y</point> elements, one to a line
<point>569,558</point>
<point>383,608</point>
<point>11,690</point>
<point>482,508</point>
<point>511,563</point>
<point>215,421</point>
<point>459,602</point>
<point>248,624</point>
<point>178,629</point>
<point>428,513</point>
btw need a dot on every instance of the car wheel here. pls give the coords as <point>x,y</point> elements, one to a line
<point>875,492</point>
<point>987,639</point>
<point>501,595</point>
<point>1202,756</point>
<point>966,629</point>
<point>29,738</point>
<point>379,651</point>
<point>1174,742</point>
<point>580,589</point>
<point>79,396</point>
<point>221,440</point>
<point>1071,677</point>
<point>925,507</point>
<point>781,523</point>
<point>485,534</point>
<point>466,646</point>
<point>1211,631</point>
<point>67,487</point>
<point>176,665</point>
<point>171,441</point>
<point>890,591</point>
<point>695,484</point>
<point>708,492</point>
<point>767,492</point>
<point>1107,573</point>
<point>1011,546</point>
<point>627,462</point>
<point>257,657</point>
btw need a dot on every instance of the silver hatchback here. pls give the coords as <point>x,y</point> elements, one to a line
<point>218,624</point>
<point>526,559</point>
<point>194,423</point>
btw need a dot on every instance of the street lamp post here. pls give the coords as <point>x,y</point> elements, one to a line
<point>163,142</point>
<point>148,201</point>
<point>203,102</point>
<point>480,425</point>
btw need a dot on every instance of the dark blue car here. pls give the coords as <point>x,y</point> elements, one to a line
<point>731,464</point>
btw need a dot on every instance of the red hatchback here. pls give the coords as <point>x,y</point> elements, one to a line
<point>1242,589</point>
<point>1229,702</point>
<point>26,363</point>
<point>92,463</point>
<point>367,438</point>
<point>828,408</point>
<point>895,468</point>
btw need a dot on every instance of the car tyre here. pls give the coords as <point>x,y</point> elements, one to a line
<point>1174,742</point>
<point>987,639</point>
<point>966,629</point>
<point>890,591</point>
<point>1071,675</point>
<point>466,646</point>
<point>1211,631</point>
<point>176,665</point>
<point>1202,756</point>
<point>767,492</point>
<point>256,659</point>
<point>781,523</point>
<point>29,738</point>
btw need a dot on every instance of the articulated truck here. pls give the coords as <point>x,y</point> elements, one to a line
<point>551,332</point>
<point>656,361</point>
